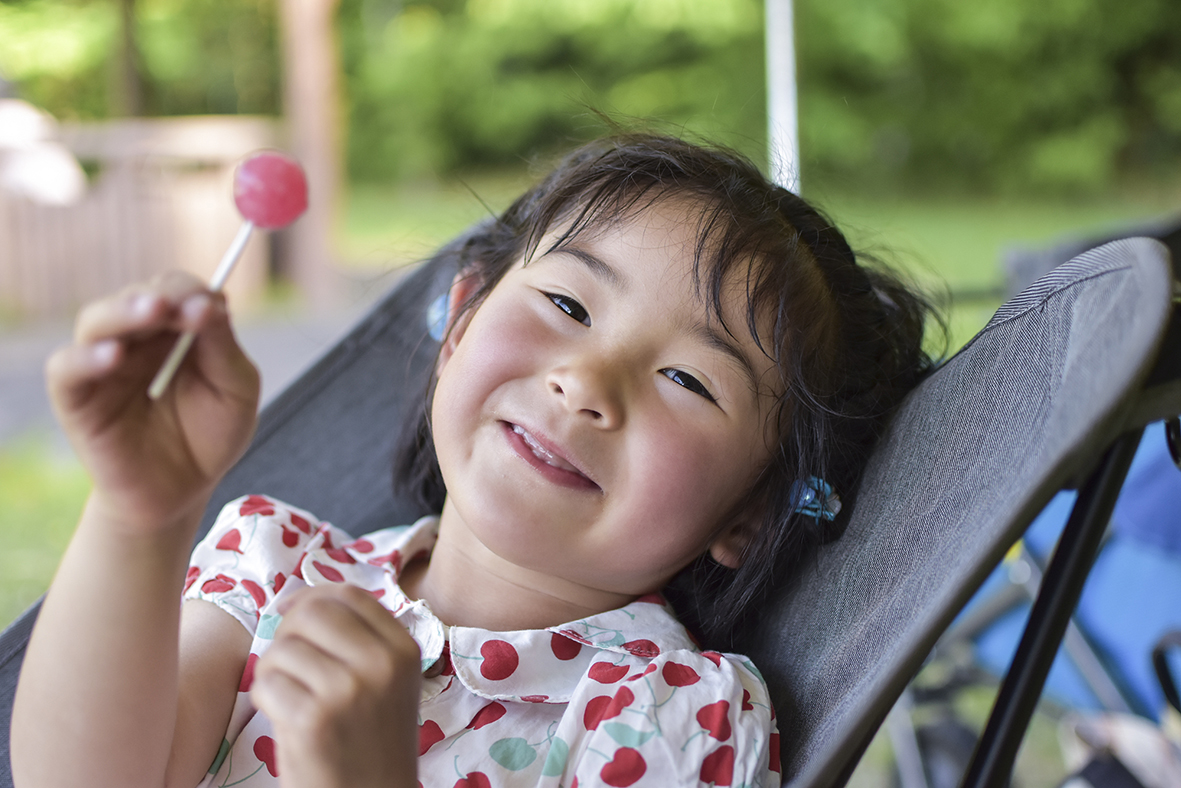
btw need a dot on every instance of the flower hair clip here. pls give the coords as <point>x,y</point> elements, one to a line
<point>815,498</point>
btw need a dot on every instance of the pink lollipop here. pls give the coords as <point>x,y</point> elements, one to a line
<point>271,192</point>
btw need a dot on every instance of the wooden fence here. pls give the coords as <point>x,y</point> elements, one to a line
<point>160,197</point>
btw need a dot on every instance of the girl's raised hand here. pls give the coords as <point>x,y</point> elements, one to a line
<point>340,682</point>
<point>154,462</point>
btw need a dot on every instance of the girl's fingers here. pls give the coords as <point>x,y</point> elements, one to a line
<point>348,623</point>
<point>280,695</point>
<point>139,310</point>
<point>71,369</point>
<point>318,673</point>
<point>217,352</point>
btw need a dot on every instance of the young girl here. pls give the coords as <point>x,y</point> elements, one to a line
<point>657,368</point>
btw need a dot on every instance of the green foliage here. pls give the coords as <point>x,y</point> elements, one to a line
<point>448,85</point>
<point>57,53</point>
<point>209,56</point>
<point>194,56</point>
<point>1002,96</point>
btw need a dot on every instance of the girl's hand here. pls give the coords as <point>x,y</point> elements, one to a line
<point>340,683</point>
<point>154,462</point>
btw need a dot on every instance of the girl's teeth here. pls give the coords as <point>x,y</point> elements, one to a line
<point>540,452</point>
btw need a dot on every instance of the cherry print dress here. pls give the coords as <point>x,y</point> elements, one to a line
<point>622,698</point>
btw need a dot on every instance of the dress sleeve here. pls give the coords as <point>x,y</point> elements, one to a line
<point>254,546</point>
<point>691,719</point>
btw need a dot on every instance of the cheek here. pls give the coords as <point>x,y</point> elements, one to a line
<point>684,486</point>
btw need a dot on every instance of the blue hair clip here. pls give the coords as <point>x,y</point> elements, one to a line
<point>436,316</point>
<point>815,498</point>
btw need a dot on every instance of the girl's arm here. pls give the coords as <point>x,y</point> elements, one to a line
<point>101,686</point>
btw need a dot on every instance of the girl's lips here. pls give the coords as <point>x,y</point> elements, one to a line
<point>545,460</point>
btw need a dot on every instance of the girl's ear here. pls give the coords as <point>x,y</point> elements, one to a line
<point>730,545</point>
<point>462,287</point>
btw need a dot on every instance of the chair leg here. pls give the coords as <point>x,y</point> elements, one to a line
<point>992,763</point>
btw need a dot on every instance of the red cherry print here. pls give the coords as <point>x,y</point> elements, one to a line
<point>290,538</point>
<point>500,660</point>
<point>625,768</point>
<point>605,707</point>
<point>429,734</point>
<point>248,673</point>
<point>715,718</point>
<point>328,541</point>
<point>535,698</point>
<point>280,579</point>
<point>606,673</point>
<point>647,670</point>
<point>232,540</point>
<point>328,572</point>
<point>642,648</point>
<point>563,647</point>
<point>713,657</point>
<point>361,546</point>
<point>218,584</point>
<point>677,675</point>
<point>718,767</point>
<point>487,715</point>
<point>298,572</point>
<point>256,504</point>
<point>340,556</point>
<point>774,746</point>
<point>376,593</point>
<point>474,780</point>
<point>264,750</point>
<point>592,715</point>
<point>270,190</point>
<point>191,577</point>
<point>301,523</point>
<point>394,559</point>
<point>256,592</point>
<point>652,599</point>
<point>746,704</point>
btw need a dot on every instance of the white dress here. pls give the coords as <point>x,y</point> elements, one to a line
<point>622,698</point>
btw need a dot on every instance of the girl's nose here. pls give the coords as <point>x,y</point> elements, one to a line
<point>590,390</point>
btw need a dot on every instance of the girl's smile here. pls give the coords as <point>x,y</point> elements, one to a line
<point>547,459</point>
<point>597,430</point>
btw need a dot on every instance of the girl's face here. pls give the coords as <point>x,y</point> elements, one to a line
<point>592,422</point>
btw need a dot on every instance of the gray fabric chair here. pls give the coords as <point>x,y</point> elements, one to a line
<point>974,453</point>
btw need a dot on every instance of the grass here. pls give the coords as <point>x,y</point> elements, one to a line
<point>41,495</point>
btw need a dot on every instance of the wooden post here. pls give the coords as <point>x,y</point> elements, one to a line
<point>312,109</point>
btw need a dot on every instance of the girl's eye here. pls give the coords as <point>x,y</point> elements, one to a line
<point>570,307</point>
<point>689,382</point>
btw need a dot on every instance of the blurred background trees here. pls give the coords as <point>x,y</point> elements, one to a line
<point>991,97</point>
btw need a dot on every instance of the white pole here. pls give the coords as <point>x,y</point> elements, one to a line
<point>783,138</point>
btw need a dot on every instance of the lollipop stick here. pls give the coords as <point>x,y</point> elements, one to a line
<point>172,363</point>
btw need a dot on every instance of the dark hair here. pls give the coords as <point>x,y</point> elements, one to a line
<point>847,340</point>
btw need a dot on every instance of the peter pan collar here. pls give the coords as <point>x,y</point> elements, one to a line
<point>532,665</point>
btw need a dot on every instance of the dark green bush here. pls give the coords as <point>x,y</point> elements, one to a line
<point>1058,95</point>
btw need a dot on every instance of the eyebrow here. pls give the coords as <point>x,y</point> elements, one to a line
<point>596,265</point>
<point>722,343</point>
